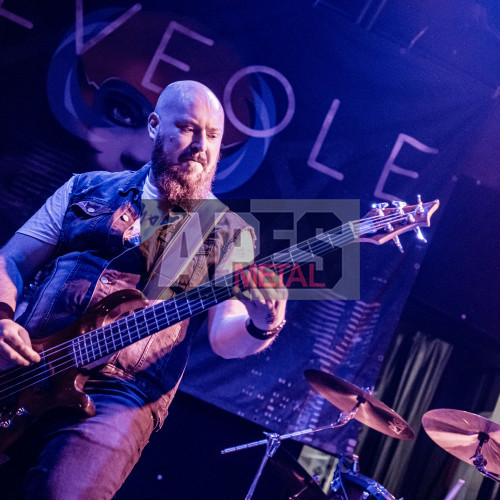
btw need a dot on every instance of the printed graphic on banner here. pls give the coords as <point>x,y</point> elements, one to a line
<point>102,89</point>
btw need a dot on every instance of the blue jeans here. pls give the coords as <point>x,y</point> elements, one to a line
<point>65,457</point>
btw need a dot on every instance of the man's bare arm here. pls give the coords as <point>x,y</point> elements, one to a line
<point>227,330</point>
<point>227,322</point>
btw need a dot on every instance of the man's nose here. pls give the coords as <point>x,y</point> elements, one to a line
<point>199,141</point>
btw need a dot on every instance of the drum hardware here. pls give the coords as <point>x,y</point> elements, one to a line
<point>454,491</point>
<point>274,440</point>
<point>353,403</point>
<point>336,482</point>
<point>349,484</point>
<point>467,436</point>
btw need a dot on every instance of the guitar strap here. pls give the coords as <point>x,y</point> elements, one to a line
<point>183,246</point>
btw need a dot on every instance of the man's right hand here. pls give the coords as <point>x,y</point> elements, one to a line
<point>15,346</point>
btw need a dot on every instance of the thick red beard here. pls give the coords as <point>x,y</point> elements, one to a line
<point>177,184</point>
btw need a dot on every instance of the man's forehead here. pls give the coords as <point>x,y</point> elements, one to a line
<point>197,108</point>
<point>210,122</point>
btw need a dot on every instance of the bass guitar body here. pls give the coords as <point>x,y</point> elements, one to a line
<point>27,393</point>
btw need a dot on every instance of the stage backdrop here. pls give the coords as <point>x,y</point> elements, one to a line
<point>318,107</point>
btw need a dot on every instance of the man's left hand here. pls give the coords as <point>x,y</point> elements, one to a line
<point>264,297</point>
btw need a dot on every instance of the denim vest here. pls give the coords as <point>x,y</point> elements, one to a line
<point>93,260</point>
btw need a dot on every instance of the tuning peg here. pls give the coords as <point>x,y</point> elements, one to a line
<point>397,241</point>
<point>420,236</point>
<point>420,206</point>
<point>380,206</point>
<point>399,204</point>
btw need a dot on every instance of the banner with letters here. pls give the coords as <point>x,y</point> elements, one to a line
<point>320,112</point>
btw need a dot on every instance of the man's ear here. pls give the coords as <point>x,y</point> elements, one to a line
<point>153,123</point>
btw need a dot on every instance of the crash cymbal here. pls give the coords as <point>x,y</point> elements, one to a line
<point>459,432</point>
<point>371,411</point>
<point>299,483</point>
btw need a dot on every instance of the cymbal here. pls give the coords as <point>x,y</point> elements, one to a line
<point>297,480</point>
<point>457,432</point>
<point>371,411</point>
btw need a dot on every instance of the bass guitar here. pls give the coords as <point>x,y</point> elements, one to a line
<point>124,317</point>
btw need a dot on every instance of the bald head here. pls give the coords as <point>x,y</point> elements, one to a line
<point>184,93</point>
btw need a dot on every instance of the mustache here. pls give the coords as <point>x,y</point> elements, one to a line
<point>199,157</point>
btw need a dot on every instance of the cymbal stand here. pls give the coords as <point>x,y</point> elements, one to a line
<point>273,441</point>
<point>479,461</point>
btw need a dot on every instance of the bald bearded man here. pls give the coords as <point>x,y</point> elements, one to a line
<point>102,232</point>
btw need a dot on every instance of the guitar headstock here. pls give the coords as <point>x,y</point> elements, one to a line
<point>384,222</point>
